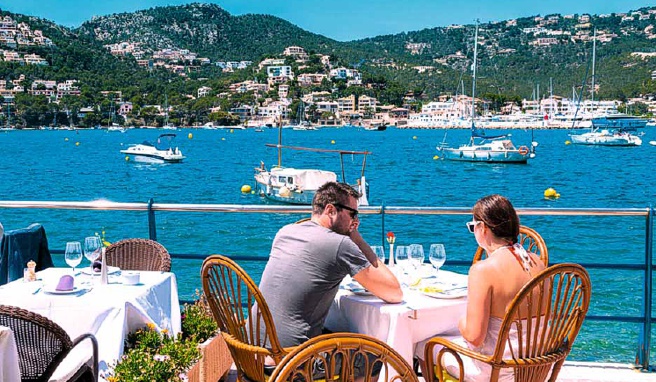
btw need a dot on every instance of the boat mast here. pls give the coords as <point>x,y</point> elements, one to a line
<point>594,57</point>
<point>280,142</point>
<point>473,105</point>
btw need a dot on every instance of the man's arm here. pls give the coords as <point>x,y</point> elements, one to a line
<point>378,279</point>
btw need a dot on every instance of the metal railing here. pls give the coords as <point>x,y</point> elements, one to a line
<point>645,319</point>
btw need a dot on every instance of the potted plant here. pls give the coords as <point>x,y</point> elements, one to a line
<point>197,354</point>
<point>198,325</point>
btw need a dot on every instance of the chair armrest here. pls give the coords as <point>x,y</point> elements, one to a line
<point>448,347</point>
<point>94,345</point>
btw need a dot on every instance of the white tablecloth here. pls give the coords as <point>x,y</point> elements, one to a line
<point>109,311</point>
<point>403,325</point>
<point>9,368</point>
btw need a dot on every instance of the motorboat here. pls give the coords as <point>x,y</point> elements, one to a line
<point>162,151</point>
<point>481,147</point>
<point>298,186</point>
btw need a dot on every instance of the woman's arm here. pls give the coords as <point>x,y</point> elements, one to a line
<point>473,326</point>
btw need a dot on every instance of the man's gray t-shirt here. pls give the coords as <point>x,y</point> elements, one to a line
<point>302,277</point>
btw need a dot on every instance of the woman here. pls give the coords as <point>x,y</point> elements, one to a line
<point>492,284</point>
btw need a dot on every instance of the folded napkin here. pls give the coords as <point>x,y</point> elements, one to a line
<point>65,283</point>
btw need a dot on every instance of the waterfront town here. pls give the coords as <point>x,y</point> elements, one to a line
<point>285,97</point>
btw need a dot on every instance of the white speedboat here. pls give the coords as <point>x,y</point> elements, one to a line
<point>162,151</point>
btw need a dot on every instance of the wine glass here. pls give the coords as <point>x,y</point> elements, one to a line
<point>437,256</point>
<point>380,252</point>
<point>416,255</point>
<point>73,254</point>
<point>92,247</point>
<point>401,256</point>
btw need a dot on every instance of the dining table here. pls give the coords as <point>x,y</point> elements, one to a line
<point>432,305</point>
<point>108,311</point>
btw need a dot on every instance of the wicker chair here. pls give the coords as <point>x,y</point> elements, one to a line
<point>43,345</point>
<point>557,299</point>
<point>243,317</point>
<point>529,239</point>
<point>337,355</point>
<point>139,255</point>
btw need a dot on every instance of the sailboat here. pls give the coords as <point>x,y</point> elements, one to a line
<point>302,123</point>
<point>298,186</point>
<point>609,130</point>
<point>482,147</point>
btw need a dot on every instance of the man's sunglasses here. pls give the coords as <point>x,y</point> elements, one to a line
<point>471,225</point>
<point>352,211</point>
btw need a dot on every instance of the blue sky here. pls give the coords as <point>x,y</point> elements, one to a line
<point>338,19</point>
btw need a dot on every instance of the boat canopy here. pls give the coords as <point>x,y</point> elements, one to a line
<point>302,178</point>
<point>480,133</point>
<point>164,141</point>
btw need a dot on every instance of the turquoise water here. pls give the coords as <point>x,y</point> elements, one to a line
<point>48,165</point>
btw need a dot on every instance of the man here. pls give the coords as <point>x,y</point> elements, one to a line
<point>309,260</point>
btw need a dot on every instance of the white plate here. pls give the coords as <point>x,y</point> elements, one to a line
<point>53,290</point>
<point>452,293</point>
<point>358,289</point>
<point>89,271</point>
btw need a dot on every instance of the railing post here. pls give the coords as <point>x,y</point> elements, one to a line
<point>382,226</point>
<point>644,341</point>
<point>152,225</point>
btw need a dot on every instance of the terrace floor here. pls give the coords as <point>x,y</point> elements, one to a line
<point>573,372</point>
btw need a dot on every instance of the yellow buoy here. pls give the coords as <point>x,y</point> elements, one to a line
<point>567,142</point>
<point>127,158</point>
<point>223,139</point>
<point>332,142</point>
<point>231,131</point>
<point>65,139</point>
<point>190,135</point>
<point>414,137</point>
<point>551,193</point>
<point>253,192</point>
<point>245,189</point>
<point>436,157</point>
<point>77,143</point>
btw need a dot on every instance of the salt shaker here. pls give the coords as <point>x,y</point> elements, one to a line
<point>103,269</point>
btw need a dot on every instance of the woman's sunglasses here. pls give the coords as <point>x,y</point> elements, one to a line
<point>470,225</point>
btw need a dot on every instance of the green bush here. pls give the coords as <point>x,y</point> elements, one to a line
<point>197,321</point>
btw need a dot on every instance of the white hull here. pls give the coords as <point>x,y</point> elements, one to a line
<point>496,151</point>
<point>146,153</point>
<point>606,138</point>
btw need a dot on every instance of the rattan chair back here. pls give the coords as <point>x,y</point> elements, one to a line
<point>139,255</point>
<point>242,316</point>
<point>42,344</point>
<point>538,331</point>
<point>530,239</point>
<point>343,357</point>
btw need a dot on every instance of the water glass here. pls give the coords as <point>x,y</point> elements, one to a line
<point>73,254</point>
<point>437,256</point>
<point>416,255</point>
<point>380,252</point>
<point>92,248</point>
<point>401,256</point>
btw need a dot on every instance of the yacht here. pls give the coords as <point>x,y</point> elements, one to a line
<point>162,151</point>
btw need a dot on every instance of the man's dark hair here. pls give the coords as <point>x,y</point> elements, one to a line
<point>331,193</point>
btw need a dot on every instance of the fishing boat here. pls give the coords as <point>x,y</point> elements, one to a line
<point>481,147</point>
<point>298,186</point>
<point>162,151</point>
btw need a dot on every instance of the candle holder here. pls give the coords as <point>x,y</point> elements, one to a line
<point>391,239</point>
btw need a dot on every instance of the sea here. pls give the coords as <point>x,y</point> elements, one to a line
<point>403,170</point>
